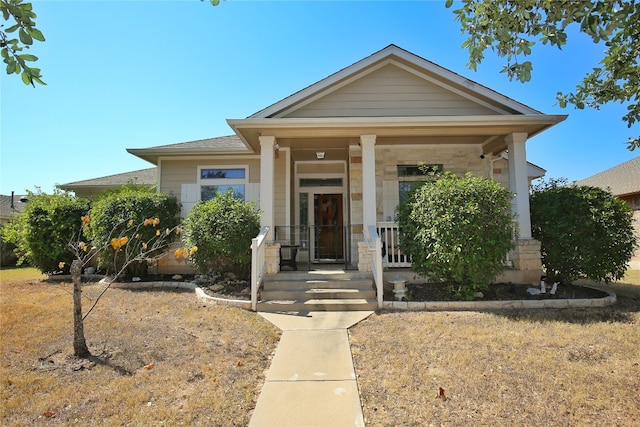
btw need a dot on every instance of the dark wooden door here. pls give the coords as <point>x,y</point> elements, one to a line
<point>329,226</point>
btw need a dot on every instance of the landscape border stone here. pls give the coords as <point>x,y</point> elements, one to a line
<point>610,299</point>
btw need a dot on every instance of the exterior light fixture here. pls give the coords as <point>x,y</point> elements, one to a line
<point>320,155</point>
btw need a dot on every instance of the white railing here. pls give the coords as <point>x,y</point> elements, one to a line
<point>390,237</point>
<point>257,265</point>
<point>374,246</point>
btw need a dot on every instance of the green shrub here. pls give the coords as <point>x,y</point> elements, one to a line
<point>113,214</point>
<point>8,255</point>
<point>222,229</point>
<point>585,232</point>
<point>457,230</point>
<point>44,230</point>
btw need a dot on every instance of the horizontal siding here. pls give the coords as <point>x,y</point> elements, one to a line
<point>391,91</point>
<point>174,173</point>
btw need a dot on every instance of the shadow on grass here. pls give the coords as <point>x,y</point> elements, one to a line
<point>623,311</point>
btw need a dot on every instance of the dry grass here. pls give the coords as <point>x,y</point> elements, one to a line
<point>203,364</point>
<point>541,367</point>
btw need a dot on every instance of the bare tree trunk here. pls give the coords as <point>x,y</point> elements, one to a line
<point>80,348</point>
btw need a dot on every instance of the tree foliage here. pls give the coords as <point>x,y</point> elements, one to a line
<point>222,229</point>
<point>42,232</point>
<point>18,37</point>
<point>113,215</point>
<point>458,230</point>
<point>585,232</point>
<point>511,28</point>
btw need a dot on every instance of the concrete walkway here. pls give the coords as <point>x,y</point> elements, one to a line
<point>311,381</point>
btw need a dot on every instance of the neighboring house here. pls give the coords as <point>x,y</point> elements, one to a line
<point>330,163</point>
<point>11,206</point>
<point>623,181</point>
<point>91,187</point>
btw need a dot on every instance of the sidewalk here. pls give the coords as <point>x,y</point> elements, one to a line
<point>311,381</point>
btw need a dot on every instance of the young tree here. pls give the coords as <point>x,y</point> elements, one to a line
<point>457,230</point>
<point>585,232</point>
<point>131,242</point>
<point>511,28</point>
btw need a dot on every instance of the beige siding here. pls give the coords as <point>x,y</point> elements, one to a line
<point>394,92</point>
<point>174,173</point>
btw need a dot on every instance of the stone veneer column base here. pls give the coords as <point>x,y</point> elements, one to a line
<point>527,259</point>
<point>364,257</point>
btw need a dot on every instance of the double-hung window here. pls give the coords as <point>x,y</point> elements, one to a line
<point>219,180</point>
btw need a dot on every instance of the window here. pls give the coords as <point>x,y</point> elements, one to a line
<point>412,176</point>
<point>214,181</point>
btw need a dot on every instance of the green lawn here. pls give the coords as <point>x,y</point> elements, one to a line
<point>20,273</point>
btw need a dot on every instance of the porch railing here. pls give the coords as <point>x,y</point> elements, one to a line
<point>374,246</point>
<point>390,237</point>
<point>258,249</point>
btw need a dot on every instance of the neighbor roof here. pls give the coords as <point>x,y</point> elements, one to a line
<point>10,205</point>
<point>621,180</point>
<point>141,177</point>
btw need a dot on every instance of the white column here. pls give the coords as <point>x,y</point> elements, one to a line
<point>368,144</point>
<point>519,182</point>
<point>267,144</point>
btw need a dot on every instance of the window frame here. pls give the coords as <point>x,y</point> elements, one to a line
<point>223,182</point>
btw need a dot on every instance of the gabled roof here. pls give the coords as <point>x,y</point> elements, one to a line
<point>141,177</point>
<point>478,114</point>
<point>230,144</point>
<point>413,63</point>
<point>621,180</point>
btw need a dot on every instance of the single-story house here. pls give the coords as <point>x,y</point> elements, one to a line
<point>329,164</point>
<point>623,181</point>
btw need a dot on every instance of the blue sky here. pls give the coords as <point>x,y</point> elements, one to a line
<point>134,74</point>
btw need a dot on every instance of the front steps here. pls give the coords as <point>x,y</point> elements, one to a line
<point>322,290</point>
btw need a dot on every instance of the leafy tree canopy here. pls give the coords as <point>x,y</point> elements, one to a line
<point>512,27</point>
<point>18,37</point>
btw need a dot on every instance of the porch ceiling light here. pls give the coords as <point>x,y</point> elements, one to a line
<point>320,155</point>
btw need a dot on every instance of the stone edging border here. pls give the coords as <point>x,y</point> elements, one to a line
<point>610,299</point>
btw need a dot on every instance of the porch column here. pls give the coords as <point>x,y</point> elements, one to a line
<point>368,145</point>
<point>519,182</point>
<point>267,144</point>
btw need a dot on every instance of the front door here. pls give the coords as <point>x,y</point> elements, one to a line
<point>328,227</point>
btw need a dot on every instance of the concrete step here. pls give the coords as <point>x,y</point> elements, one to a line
<point>323,293</point>
<point>297,285</point>
<point>345,304</point>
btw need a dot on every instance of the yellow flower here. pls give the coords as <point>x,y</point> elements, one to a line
<point>193,250</point>
<point>178,230</point>
<point>130,223</point>
<point>83,246</point>
<point>167,231</point>
<point>85,219</point>
<point>178,253</point>
<point>61,265</point>
<point>118,243</point>
<point>148,221</point>
<point>144,245</point>
<point>157,232</point>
